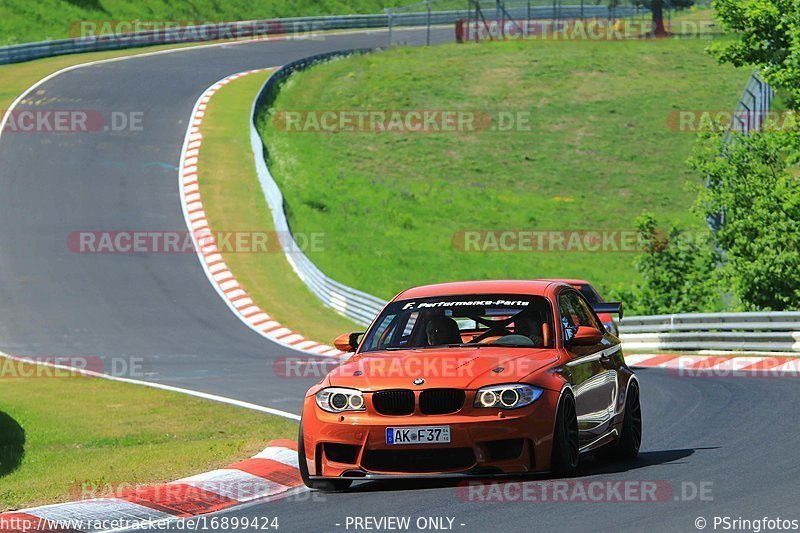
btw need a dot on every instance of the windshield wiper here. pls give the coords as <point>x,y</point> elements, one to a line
<point>398,348</point>
<point>501,345</point>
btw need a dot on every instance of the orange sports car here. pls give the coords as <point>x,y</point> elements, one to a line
<point>473,378</point>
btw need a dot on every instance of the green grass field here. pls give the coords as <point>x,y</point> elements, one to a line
<point>61,434</point>
<point>24,21</point>
<point>599,153</point>
<point>233,201</point>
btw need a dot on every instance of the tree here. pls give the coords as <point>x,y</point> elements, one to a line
<point>751,180</point>
<point>657,7</point>
<point>677,270</point>
<point>767,36</point>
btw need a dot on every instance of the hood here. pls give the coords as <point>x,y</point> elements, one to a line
<point>460,368</point>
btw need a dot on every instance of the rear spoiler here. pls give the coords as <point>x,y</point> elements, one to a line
<point>613,308</point>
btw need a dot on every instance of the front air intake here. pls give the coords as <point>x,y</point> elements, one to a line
<point>394,402</point>
<point>441,401</point>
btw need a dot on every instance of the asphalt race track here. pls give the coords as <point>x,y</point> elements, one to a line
<point>738,435</point>
<point>157,307</point>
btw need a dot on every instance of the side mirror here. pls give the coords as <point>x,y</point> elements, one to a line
<point>586,336</point>
<point>347,342</point>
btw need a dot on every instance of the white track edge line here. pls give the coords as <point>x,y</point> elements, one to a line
<point>160,386</point>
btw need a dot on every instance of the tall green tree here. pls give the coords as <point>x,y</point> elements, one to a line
<point>753,182</point>
<point>767,36</point>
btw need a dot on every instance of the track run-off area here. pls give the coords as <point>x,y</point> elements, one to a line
<point>716,446</point>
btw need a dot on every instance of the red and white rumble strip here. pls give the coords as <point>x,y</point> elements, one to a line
<point>271,474</point>
<point>719,365</point>
<point>218,272</point>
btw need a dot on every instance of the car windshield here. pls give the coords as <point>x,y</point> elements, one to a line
<point>469,320</point>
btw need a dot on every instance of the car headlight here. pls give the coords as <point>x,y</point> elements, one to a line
<point>336,400</point>
<point>612,328</point>
<point>507,396</point>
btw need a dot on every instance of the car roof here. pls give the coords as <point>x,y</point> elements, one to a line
<point>533,288</point>
<point>570,281</point>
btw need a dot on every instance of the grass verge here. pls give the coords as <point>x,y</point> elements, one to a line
<point>25,21</point>
<point>598,154</point>
<point>60,434</point>
<point>234,202</point>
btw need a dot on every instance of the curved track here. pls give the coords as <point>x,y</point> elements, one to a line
<point>736,434</point>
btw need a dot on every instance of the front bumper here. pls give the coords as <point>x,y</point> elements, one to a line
<point>483,442</point>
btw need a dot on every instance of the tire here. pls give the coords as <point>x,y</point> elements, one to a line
<point>323,485</point>
<point>566,456</point>
<point>631,438</point>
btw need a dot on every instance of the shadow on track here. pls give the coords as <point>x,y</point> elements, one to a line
<point>589,467</point>
<point>12,444</point>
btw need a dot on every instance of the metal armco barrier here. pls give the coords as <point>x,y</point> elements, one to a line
<point>763,332</point>
<point>299,27</point>
<point>356,305</point>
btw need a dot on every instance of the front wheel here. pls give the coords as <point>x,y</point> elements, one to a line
<point>324,485</point>
<point>631,438</point>
<point>566,453</point>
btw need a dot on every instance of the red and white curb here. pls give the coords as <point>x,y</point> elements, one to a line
<point>719,365</point>
<point>213,264</point>
<point>272,474</point>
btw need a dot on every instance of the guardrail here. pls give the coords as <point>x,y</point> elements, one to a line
<point>764,332</point>
<point>210,32</point>
<point>303,26</point>
<point>356,305</point>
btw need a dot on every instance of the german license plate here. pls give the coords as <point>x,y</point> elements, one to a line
<point>418,435</point>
